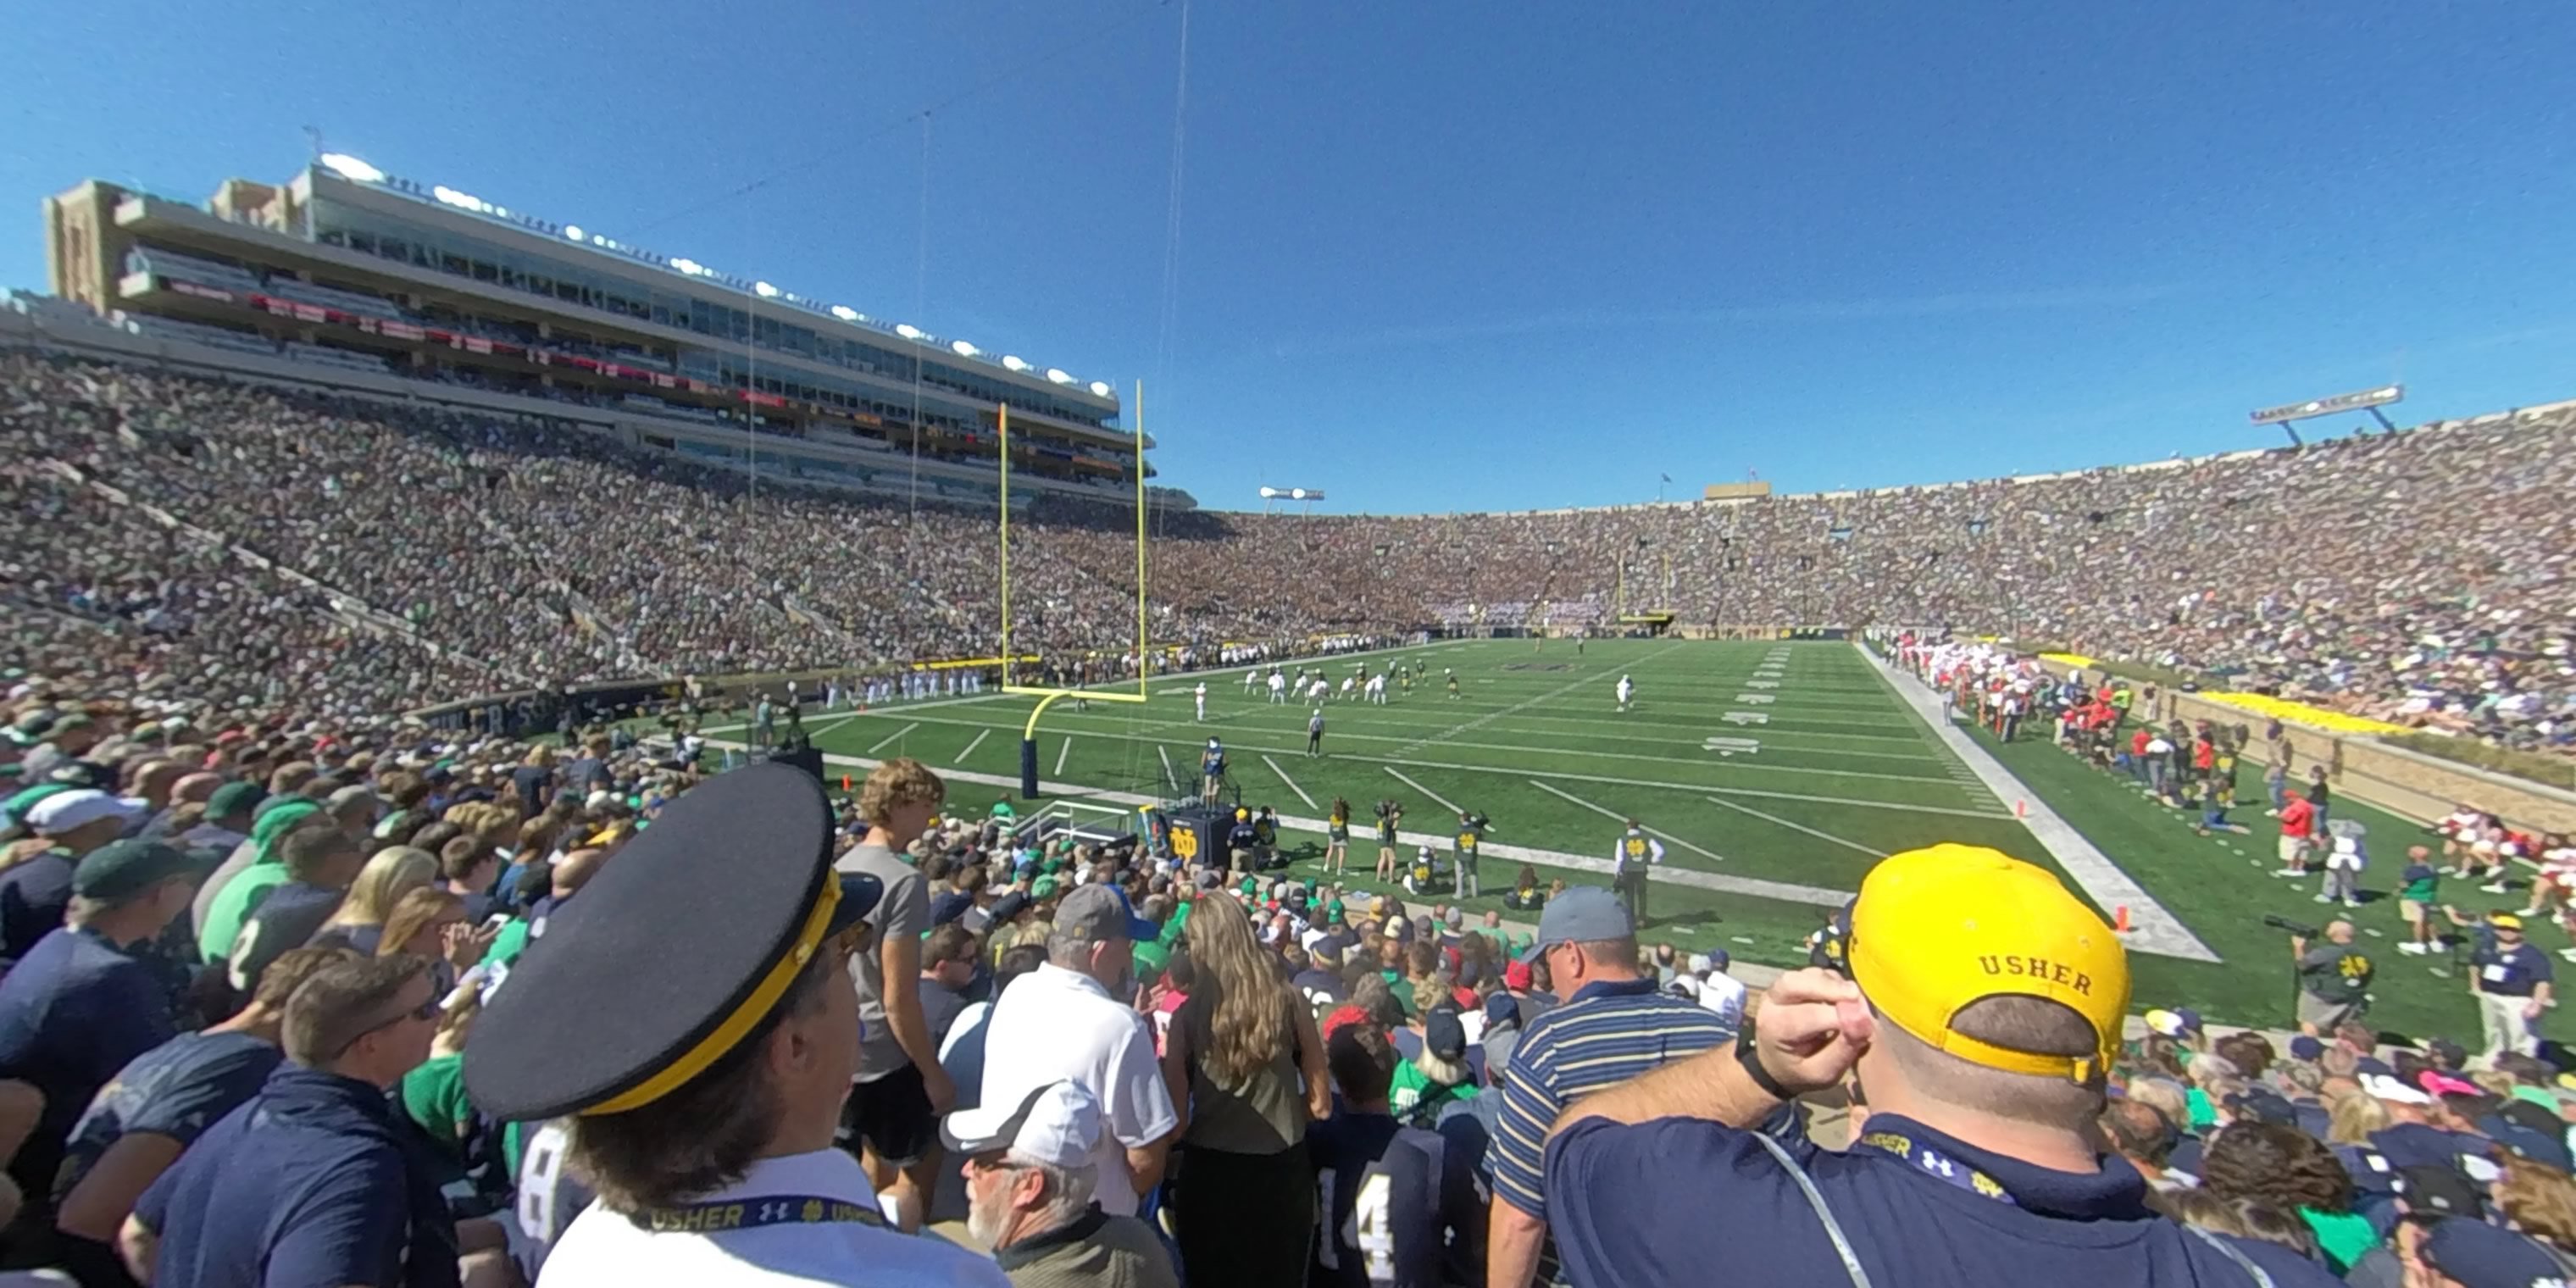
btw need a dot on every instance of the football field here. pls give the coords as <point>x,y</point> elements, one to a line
<point>1774,773</point>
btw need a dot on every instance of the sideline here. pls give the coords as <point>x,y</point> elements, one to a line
<point>2152,929</point>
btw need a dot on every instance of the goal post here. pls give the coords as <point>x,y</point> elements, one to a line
<point>1047,695</point>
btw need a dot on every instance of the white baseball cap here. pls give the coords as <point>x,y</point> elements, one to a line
<point>1057,1124</point>
<point>2380,1086</point>
<point>63,811</point>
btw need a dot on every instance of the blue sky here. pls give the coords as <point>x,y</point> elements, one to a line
<point>1437,255</point>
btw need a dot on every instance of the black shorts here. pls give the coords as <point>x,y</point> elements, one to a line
<point>891,1116</point>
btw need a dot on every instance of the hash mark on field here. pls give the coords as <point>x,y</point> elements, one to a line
<point>970,747</point>
<point>1799,827</point>
<point>1435,796</point>
<point>1651,831</point>
<point>881,742</point>
<point>1292,783</point>
<point>1062,750</point>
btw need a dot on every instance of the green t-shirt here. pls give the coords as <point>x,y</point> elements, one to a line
<point>2204,1115</point>
<point>233,906</point>
<point>1415,1100</point>
<point>1151,959</point>
<point>2343,1236</point>
<point>433,1096</point>
<point>2422,889</point>
<point>509,943</point>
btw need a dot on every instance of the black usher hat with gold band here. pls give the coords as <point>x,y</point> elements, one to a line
<point>672,954</point>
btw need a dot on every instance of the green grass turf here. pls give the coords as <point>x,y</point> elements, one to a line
<point>1844,771</point>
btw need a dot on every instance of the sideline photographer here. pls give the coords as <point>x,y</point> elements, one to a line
<point>2334,977</point>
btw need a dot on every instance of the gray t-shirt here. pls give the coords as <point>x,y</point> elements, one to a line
<point>904,910</point>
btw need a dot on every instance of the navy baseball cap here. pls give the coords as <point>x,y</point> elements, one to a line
<point>2478,1255</point>
<point>1582,915</point>
<point>1443,1035</point>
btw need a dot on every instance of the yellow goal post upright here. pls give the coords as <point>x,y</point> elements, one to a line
<point>1047,696</point>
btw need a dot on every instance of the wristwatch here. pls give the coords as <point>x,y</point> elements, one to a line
<point>1748,1053</point>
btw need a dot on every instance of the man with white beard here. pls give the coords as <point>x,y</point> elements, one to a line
<point>1029,1182</point>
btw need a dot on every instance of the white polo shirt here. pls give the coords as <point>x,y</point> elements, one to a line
<point>603,1249</point>
<point>1053,1024</point>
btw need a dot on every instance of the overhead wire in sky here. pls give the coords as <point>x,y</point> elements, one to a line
<point>819,165</point>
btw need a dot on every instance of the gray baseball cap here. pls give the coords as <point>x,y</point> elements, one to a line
<point>1097,913</point>
<point>1582,915</point>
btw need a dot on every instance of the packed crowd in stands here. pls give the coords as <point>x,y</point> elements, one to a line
<point>2416,577</point>
<point>336,1004</point>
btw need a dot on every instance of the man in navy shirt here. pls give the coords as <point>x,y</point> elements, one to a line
<point>34,893</point>
<point>1399,1206</point>
<point>83,1002</point>
<point>321,861</point>
<point>2513,982</point>
<point>158,1104</point>
<point>1982,1009</point>
<point>315,1180</point>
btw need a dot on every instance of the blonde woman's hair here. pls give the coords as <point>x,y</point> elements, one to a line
<point>540,756</point>
<point>2353,1119</point>
<point>1248,1021</point>
<point>2539,1199</point>
<point>395,871</point>
<point>416,908</point>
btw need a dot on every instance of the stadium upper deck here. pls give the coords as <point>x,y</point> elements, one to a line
<point>345,266</point>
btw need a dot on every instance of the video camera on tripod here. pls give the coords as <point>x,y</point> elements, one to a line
<point>2284,923</point>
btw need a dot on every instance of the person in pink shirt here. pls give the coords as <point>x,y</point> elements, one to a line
<point>2297,820</point>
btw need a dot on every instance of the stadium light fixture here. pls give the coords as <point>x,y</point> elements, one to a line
<point>1100,388</point>
<point>845,313</point>
<point>1056,374</point>
<point>764,290</point>
<point>908,331</point>
<point>963,349</point>
<point>572,232</point>
<point>351,168</point>
<point>689,266</point>
<point>1270,494</point>
<point>1013,362</point>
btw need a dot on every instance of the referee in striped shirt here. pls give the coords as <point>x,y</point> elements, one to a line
<point>1612,1026</point>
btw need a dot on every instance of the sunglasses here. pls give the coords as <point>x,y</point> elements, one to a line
<point>425,1012</point>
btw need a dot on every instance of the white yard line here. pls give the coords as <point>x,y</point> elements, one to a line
<point>1062,750</point>
<point>970,747</point>
<point>1610,813</point>
<point>1859,804</point>
<point>1781,891</point>
<point>1292,783</point>
<point>1613,780</point>
<point>1169,780</point>
<point>881,742</point>
<point>1559,691</point>
<point>2152,928</point>
<point>1799,827</point>
<point>1453,807</point>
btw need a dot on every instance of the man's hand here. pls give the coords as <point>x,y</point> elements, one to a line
<point>935,1084</point>
<point>1811,1030</point>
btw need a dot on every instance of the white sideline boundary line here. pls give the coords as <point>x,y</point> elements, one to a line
<point>1799,827</point>
<point>970,747</point>
<point>1169,780</point>
<point>1650,831</point>
<point>1283,777</point>
<point>1399,777</point>
<point>2152,928</point>
<point>881,742</point>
